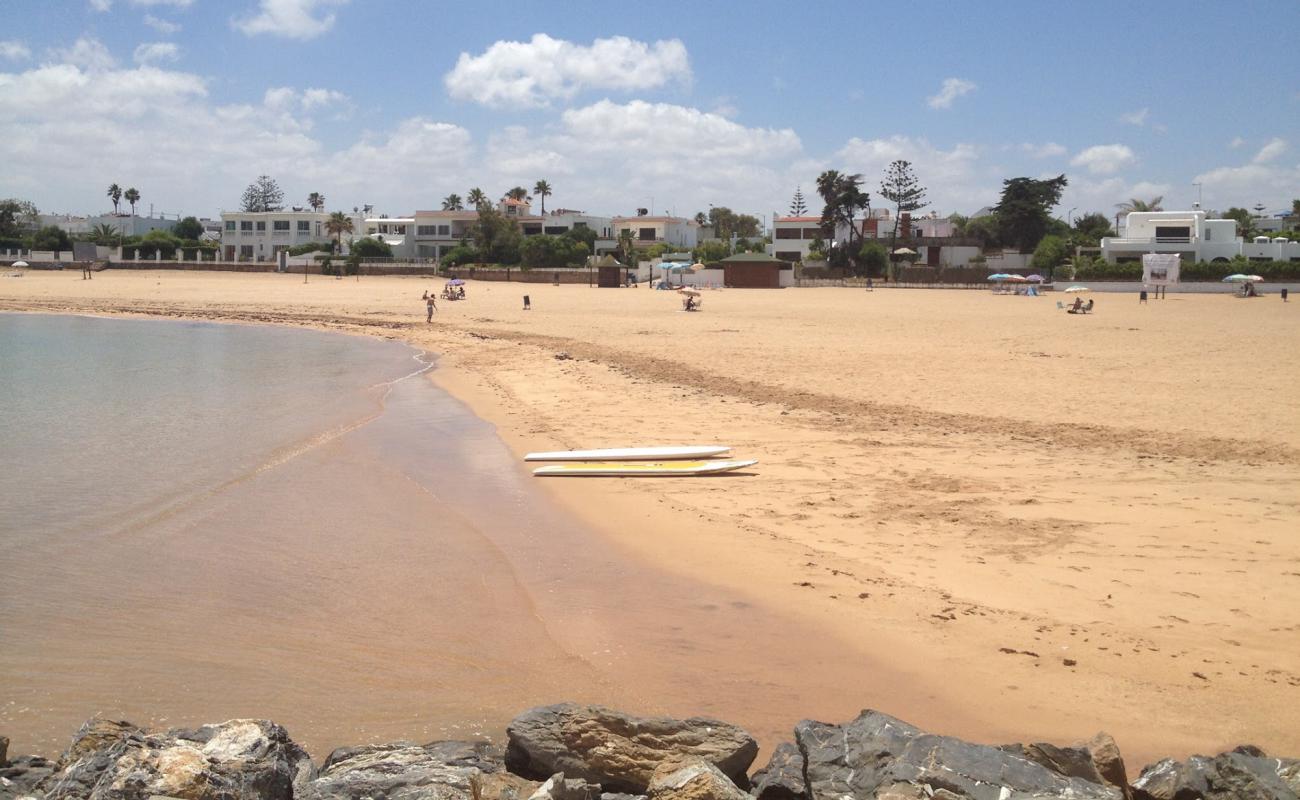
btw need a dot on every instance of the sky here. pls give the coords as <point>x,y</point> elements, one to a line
<point>671,106</point>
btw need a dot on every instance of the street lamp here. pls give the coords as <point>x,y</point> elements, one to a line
<point>1069,215</point>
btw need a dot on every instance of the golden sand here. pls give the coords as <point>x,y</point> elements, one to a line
<point>1041,525</point>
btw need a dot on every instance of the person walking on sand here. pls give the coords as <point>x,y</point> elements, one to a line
<point>430,307</point>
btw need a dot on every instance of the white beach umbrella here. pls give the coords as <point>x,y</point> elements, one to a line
<point>19,264</point>
<point>1078,289</point>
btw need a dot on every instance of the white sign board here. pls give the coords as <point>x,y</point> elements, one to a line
<point>1160,269</point>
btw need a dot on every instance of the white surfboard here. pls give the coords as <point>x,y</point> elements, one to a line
<point>625,469</point>
<point>631,454</point>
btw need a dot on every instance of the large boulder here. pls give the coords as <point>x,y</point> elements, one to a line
<point>404,771</point>
<point>877,755</point>
<point>1243,773</point>
<point>231,761</point>
<point>620,751</point>
<point>782,778</point>
<point>692,779</point>
<point>20,777</point>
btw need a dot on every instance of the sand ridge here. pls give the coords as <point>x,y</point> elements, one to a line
<point>1051,525</point>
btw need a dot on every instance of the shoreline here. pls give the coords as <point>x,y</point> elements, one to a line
<point>511,379</point>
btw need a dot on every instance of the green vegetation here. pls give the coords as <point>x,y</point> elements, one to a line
<point>901,187</point>
<point>874,259</point>
<point>543,190</point>
<point>311,247</point>
<point>262,194</point>
<point>337,225</point>
<point>132,196</point>
<point>51,237</point>
<point>368,247</point>
<point>1023,212</point>
<point>553,251</point>
<point>1050,254</point>
<point>1098,269</point>
<point>189,228</point>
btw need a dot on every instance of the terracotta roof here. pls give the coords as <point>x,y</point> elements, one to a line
<point>798,219</point>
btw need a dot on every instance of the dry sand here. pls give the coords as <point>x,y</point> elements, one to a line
<point>1046,524</point>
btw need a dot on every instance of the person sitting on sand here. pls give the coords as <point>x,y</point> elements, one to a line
<point>460,293</point>
<point>1088,308</point>
<point>1077,307</point>
<point>690,303</point>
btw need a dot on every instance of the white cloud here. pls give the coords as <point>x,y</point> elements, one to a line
<point>952,89</point>
<point>533,73</point>
<point>163,26</point>
<point>955,178</point>
<point>101,6</point>
<point>1274,185</point>
<point>175,3</point>
<point>1138,118</point>
<point>1270,151</point>
<point>85,52</point>
<point>1236,142</point>
<point>291,19</point>
<point>14,50</point>
<point>153,52</point>
<point>1045,150</point>
<point>1104,159</point>
<point>1101,195</point>
<point>285,99</point>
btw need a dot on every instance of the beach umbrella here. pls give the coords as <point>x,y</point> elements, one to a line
<point>999,276</point>
<point>1017,278</point>
<point>905,251</point>
<point>1078,289</point>
<point>455,282</point>
<point>19,264</point>
<point>697,266</point>
<point>690,292</point>
<point>1036,277</point>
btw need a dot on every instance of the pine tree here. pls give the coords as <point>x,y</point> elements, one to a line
<point>797,206</point>
<point>263,194</point>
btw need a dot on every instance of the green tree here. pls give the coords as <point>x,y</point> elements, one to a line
<point>1295,208</point>
<point>337,225</point>
<point>518,193</point>
<point>1245,221</point>
<point>1089,229</point>
<point>452,202</point>
<point>1050,254</point>
<point>262,194</point>
<point>958,224</point>
<point>368,247</point>
<point>115,194</point>
<point>164,241</point>
<point>51,237</point>
<point>844,198</point>
<point>477,198</point>
<point>1134,204</point>
<point>461,254</point>
<point>132,196</point>
<point>316,200</point>
<point>1024,210</point>
<point>901,188</point>
<point>543,190</point>
<point>986,229</point>
<point>627,247</point>
<point>496,238</point>
<point>189,228</point>
<point>797,206</point>
<point>701,218</point>
<point>584,235</point>
<point>104,234</point>
<point>874,258</point>
<point>17,217</point>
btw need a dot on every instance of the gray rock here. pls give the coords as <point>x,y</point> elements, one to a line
<point>558,787</point>
<point>620,751</point>
<point>1072,762</point>
<point>1238,774</point>
<point>404,771</point>
<point>692,779</point>
<point>876,754</point>
<point>621,796</point>
<point>501,786</point>
<point>782,778</point>
<point>20,777</point>
<point>1106,757</point>
<point>234,760</point>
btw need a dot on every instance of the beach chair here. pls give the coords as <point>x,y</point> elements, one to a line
<point>1059,304</point>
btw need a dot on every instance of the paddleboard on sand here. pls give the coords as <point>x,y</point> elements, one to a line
<point>631,454</point>
<point>616,469</point>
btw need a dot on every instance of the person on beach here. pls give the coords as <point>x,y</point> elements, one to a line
<point>1284,291</point>
<point>430,307</point>
<point>1142,296</point>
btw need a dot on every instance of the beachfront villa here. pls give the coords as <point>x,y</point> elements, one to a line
<point>259,235</point>
<point>648,231</point>
<point>435,233</point>
<point>1193,236</point>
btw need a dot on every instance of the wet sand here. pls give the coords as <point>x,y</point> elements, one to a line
<point>1026,525</point>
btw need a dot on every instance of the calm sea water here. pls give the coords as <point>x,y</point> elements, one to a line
<point>200,522</point>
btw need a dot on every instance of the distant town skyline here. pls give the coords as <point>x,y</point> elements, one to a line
<point>672,107</point>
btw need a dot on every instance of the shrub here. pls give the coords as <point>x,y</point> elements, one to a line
<point>371,248</point>
<point>311,247</point>
<point>51,237</point>
<point>459,255</point>
<point>873,258</point>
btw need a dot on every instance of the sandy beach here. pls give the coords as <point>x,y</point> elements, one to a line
<point>1030,525</point>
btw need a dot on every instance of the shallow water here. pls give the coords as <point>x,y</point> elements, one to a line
<point>212,521</point>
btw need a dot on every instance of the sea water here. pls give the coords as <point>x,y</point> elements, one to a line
<point>201,522</point>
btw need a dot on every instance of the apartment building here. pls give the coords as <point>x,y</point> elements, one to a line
<point>792,237</point>
<point>1193,237</point>
<point>259,235</point>
<point>648,231</point>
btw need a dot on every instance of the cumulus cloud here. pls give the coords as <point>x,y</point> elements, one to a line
<point>955,177</point>
<point>14,50</point>
<point>1138,118</point>
<point>174,3</point>
<point>1045,150</point>
<point>289,100</point>
<point>163,26</point>
<point>290,19</point>
<point>86,52</point>
<point>1236,142</point>
<point>952,89</point>
<point>153,52</point>
<point>101,5</point>
<point>1270,151</point>
<point>1104,159</point>
<point>536,72</point>
<point>1273,185</point>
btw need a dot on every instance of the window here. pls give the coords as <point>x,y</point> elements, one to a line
<point>246,225</point>
<point>280,226</point>
<point>245,251</point>
<point>426,230</point>
<point>230,225</point>
<point>399,230</point>
<point>788,233</point>
<point>1173,232</point>
<point>444,230</point>
<point>579,225</point>
<point>812,233</point>
<point>646,234</point>
<point>789,255</point>
<point>554,230</point>
<point>304,226</point>
<point>1209,233</point>
<point>261,226</point>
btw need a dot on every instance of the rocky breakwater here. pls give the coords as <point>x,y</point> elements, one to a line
<point>574,752</point>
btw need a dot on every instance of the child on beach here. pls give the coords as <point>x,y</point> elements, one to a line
<point>430,307</point>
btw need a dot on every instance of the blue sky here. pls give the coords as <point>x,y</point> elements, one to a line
<point>675,105</point>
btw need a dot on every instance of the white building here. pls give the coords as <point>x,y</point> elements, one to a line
<point>792,237</point>
<point>437,232</point>
<point>396,232</point>
<point>649,231</point>
<point>563,220</point>
<point>124,224</point>
<point>259,235</point>
<point>1193,237</point>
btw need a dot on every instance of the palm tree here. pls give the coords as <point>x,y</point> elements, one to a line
<point>316,200</point>
<point>1135,204</point>
<point>337,225</point>
<point>543,190</point>
<point>104,234</point>
<point>132,196</point>
<point>115,194</point>
<point>701,218</point>
<point>517,193</point>
<point>477,198</point>
<point>452,202</point>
